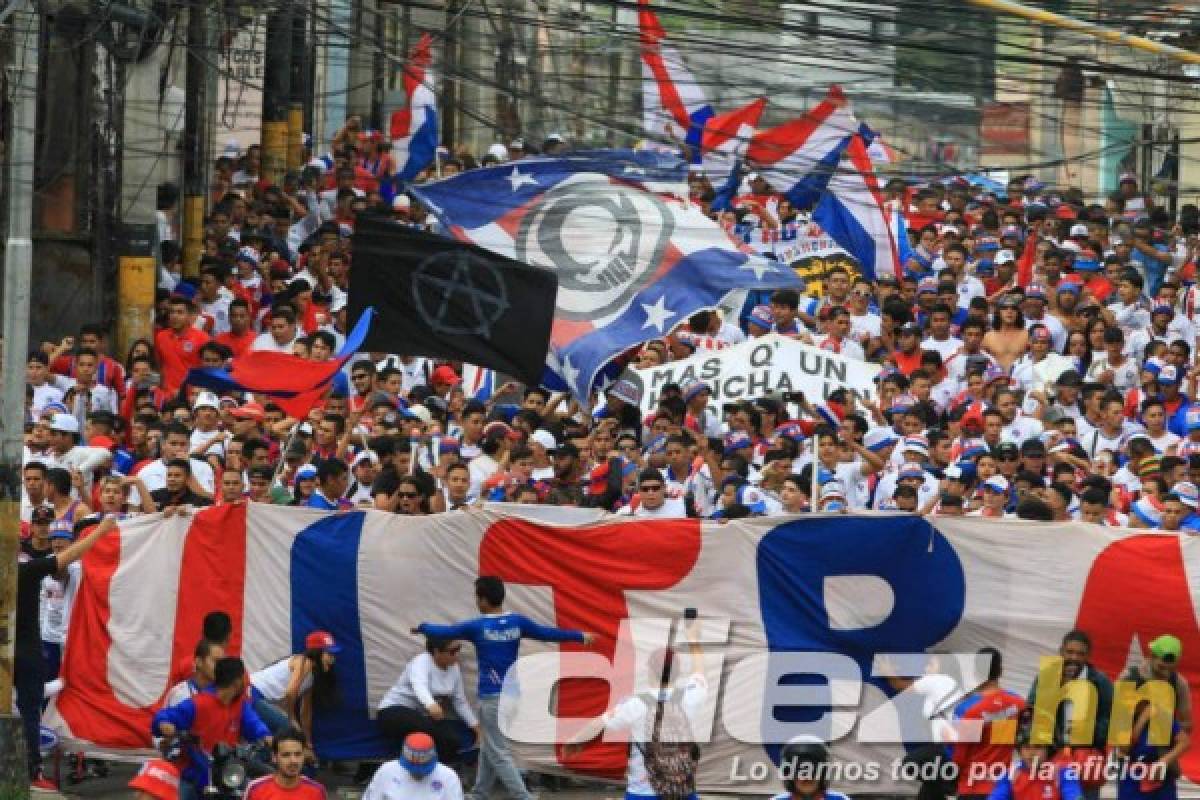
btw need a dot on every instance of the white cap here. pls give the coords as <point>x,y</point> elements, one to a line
<point>498,151</point>
<point>232,149</point>
<point>1079,229</point>
<point>64,423</point>
<point>316,162</point>
<point>365,455</point>
<point>206,399</point>
<point>401,201</point>
<point>545,438</point>
<point>1004,257</point>
<point>997,483</point>
<point>420,412</point>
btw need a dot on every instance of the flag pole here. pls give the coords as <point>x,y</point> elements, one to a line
<point>816,466</point>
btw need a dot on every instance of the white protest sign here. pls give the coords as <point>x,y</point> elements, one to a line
<point>769,364</point>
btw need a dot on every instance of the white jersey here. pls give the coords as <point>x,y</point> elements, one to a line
<point>154,475</point>
<point>393,782</point>
<point>634,715</point>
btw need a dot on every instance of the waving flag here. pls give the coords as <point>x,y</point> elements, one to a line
<point>798,157</point>
<point>478,383</point>
<point>634,259</point>
<point>295,384</point>
<point>904,248</point>
<point>850,588</point>
<point>852,211</point>
<point>726,136</point>
<point>414,128</point>
<point>673,104</point>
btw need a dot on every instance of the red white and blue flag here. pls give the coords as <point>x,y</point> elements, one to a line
<point>853,212</point>
<point>293,383</point>
<point>798,157</point>
<point>727,136</point>
<point>414,128</point>
<point>673,104</point>
<point>634,258</point>
<point>478,383</point>
<point>853,589</point>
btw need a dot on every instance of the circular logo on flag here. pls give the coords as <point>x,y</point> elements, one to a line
<point>604,240</point>
<point>457,293</point>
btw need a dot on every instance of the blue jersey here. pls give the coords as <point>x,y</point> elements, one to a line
<point>497,639</point>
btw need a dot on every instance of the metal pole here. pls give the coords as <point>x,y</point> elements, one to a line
<point>18,262</point>
<point>1088,29</point>
<point>195,138</point>
<point>277,94</point>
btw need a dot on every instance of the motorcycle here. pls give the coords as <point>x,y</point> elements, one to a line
<point>230,768</point>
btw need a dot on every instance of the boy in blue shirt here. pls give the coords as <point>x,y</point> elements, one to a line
<point>497,638</point>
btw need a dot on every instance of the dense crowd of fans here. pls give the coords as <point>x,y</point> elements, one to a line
<point>1036,352</point>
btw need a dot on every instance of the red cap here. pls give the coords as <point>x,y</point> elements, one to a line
<point>249,411</point>
<point>158,778</point>
<point>321,640</point>
<point>445,374</point>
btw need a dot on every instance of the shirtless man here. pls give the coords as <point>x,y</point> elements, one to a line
<point>1007,340</point>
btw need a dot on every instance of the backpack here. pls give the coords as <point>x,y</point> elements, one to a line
<point>670,755</point>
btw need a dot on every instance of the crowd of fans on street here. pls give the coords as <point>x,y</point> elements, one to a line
<point>1037,362</point>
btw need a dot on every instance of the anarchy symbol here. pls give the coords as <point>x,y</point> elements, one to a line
<point>459,294</point>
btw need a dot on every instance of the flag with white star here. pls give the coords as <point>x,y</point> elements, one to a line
<point>634,258</point>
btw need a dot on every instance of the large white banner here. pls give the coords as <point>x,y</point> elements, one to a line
<point>771,363</point>
<point>826,594</point>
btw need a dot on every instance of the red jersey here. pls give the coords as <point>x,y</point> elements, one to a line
<point>267,788</point>
<point>997,710</point>
<point>177,353</point>
<point>236,344</point>
<point>907,364</point>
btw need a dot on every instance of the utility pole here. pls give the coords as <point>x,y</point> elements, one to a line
<point>299,89</point>
<point>447,113</point>
<point>277,94</point>
<point>195,137</point>
<point>18,264</point>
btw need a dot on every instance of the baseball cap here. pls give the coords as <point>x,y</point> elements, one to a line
<point>737,441</point>
<point>693,388</point>
<point>911,471</point>
<point>497,429</point>
<point>1007,449</point>
<point>1068,286</point>
<point>1187,493</point>
<point>760,316</point>
<point>206,400</point>
<point>418,412</point>
<point>157,778</point>
<point>626,390</point>
<point>1169,374</point>
<point>1033,447</point>
<point>1035,291</point>
<point>419,756</point>
<point>997,483</point>
<point>306,473</point>
<point>927,286</point>
<point>444,374</point>
<point>1079,229</point>
<point>1167,647</point>
<point>879,438</point>
<point>545,438</point>
<point>249,410</point>
<point>1163,308</point>
<point>1069,378</point>
<point>1191,419</point>
<point>64,423</point>
<point>1004,257</point>
<point>832,489</point>
<point>915,444</point>
<point>448,445</point>
<point>321,640</point>
<point>401,202</point>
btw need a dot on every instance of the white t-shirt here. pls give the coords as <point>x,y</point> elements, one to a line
<point>672,508</point>
<point>272,681</point>
<point>265,341</point>
<point>634,715</point>
<point>1125,376</point>
<point>865,327</point>
<point>393,782</point>
<point>943,347</point>
<point>423,682</point>
<point>154,475</point>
